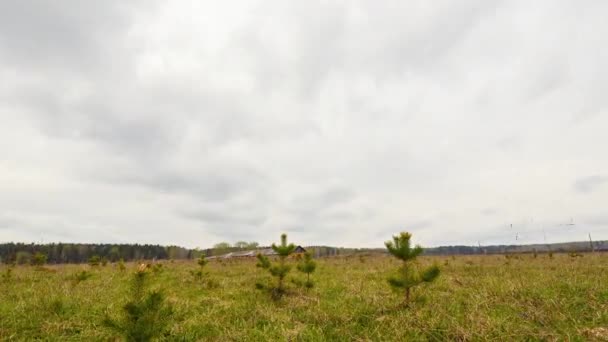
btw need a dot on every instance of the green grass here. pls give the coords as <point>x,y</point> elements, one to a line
<point>475,298</point>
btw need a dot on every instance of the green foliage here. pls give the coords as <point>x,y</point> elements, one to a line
<point>408,275</point>
<point>94,261</point>
<point>104,261</point>
<point>202,261</point>
<point>145,317</point>
<point>197,274</point>
<point>80,277</point>
<point>401,248</point>
<point>307,266</point>
<point>200,273</point>
<point>263,261</point>
<point>279,269</point>
<point>284,249</point>
<point>39,259</point>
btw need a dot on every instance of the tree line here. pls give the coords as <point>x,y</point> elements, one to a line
<point>58,253</point>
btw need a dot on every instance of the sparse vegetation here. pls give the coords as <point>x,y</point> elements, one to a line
<point>531,300</point>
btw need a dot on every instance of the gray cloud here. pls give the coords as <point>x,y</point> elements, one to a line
<point>341,123</point>
<point>590,183</point>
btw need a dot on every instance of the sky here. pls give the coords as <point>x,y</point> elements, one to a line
<point>337,122</point>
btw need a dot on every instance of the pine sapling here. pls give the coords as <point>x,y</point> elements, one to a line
<point>202,262</point>
<point>146,316</point>
<point>307,266</point>
<point>81,276</point>
<point>39,259</point>
<point>408,276</point>
<point>121,265</point>
<point>279,269</point>
<point>94,261</point>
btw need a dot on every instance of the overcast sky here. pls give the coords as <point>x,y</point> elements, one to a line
<point>338,122</point>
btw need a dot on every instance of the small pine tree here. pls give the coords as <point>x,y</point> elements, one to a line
<point>408,275</point>
<point>146,316</point>
<point>281,269</point>
<point>94,261</point>
<point>202,262</point>
<point>80,277</point>
<point>39,259</point>
<point>307,266</point>
<point>121,265</point>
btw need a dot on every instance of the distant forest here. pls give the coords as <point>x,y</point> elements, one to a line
<point>58,253</point>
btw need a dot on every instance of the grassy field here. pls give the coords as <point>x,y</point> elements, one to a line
<point>476,298</point>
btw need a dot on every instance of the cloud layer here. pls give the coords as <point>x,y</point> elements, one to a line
<point>337,122</point>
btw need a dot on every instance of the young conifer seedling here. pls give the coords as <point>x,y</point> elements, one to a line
<point>307,266</point>
<point>408,275</point>
<point>279,269</point>
<point>121,265</point>
<point>146,316</point>
<point>202,262</point>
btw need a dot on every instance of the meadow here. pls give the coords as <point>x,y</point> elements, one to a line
<point>476,298</point>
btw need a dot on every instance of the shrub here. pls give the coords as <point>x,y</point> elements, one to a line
<point>307,266</point>
<point>408,275</point>
<point>278,270</point>
<point>146,316</point>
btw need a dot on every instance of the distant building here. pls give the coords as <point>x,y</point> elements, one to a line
<point>253,253</point>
